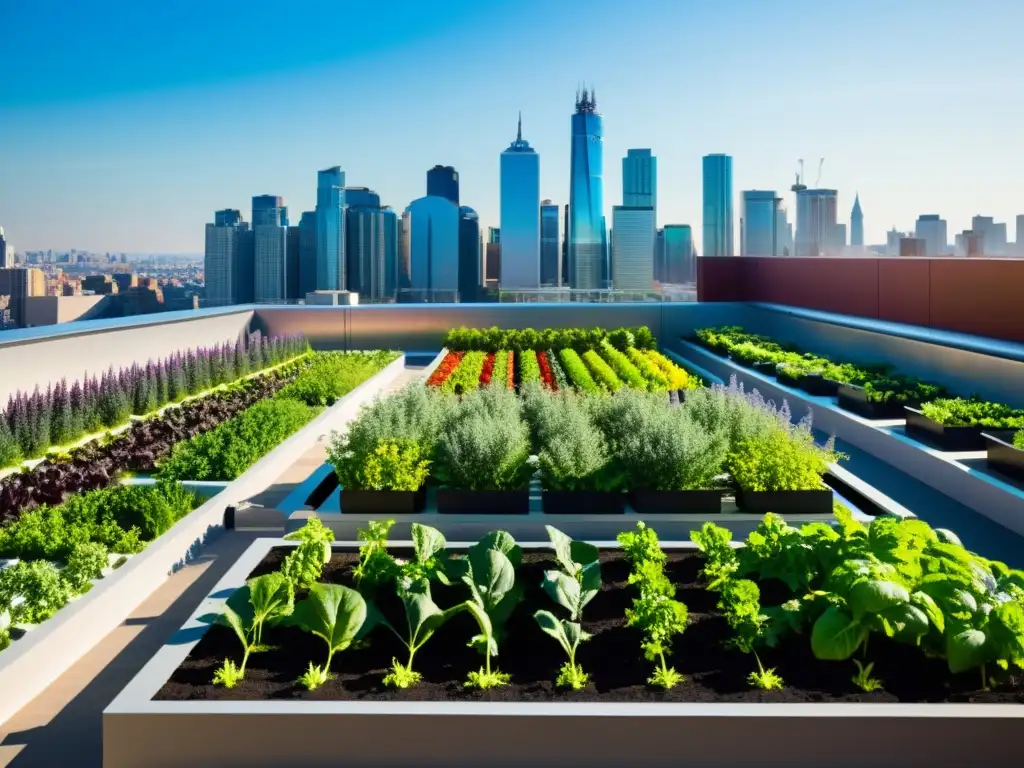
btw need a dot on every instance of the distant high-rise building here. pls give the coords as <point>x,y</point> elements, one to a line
<point>404,251</point>
<point>330,230</point>
<point>269,210</point>
<point>892,241</point>
<point>392,246</point>
<point>993,234</point>
<point>633,236</point>
<point>492,264</point>
<point>857,224</point>
<point>588,254</point>
<point>6,252</point>
<point>270,259</point>
<point>550,247</point>
<point>1019,238</point>
<point>783,231</point>
<point>470,258</point>
<point>434,249</point>
<point>640,179</point>
<point>229,260</point>
<point>565,244</point>
<point>816,222</point>
<point>307,253</point>
<point>718,219</point>
<point>913,246</point>
<point>931,228</point>
<point>293,264</point>
<point>972,243</point>
<point>659,255</point>
<point>20,284</point>
<point>520,215</point>
<point>494,234</point>
<point>443,181</point>
<point>759,224</point>
<point>680,265</point>
<point>366,244</point>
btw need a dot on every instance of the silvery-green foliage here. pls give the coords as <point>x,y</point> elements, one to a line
<point>414,413</point>
<point>739,413</point>
<point>574,454</point>
<point>666,450</point>
<point>484,446</point>
<point>493,402</point>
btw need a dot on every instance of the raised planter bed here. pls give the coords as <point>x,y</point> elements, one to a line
<point>944,437</point>
<point>676,502</point>
<point>786,502</point>
<point>323,490</point>
<point>169,714</point>
<point>383,502</point>
<point>582,502</point>
<point>454,501</point>
<point>854,399</point>
<point>766,368</point>
<point>1003,456</point>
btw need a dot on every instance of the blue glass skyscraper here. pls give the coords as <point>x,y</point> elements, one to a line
<point>588,267</point>
<point>718,231</point>
<point>330,230</point>
<point>365,244</point>
<point>550,248</point>
<point>307,253</point>
<point>433,249</point>
<point>470,260</point>
<point>443,181</point>
<point>520,215</point>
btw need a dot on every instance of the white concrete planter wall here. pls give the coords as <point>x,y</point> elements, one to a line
<point>35,661</point>
<point>946,472</point>
<point>138,731</point>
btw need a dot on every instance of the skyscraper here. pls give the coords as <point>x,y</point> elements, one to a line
<point>6,260</point>
<point>330,230</point>
<point>931,228</point>
<point>520,215</point>
<point>680,266</point>
<point>857,224</point>
<point>1019,235</point>
<point>587,235</point>
<point>269,209</point>
<point>718,223</point>
<point>640,179</point>
<point>470,257</point>
<point>816,224</point>
<point>271,262</point>
<point>404,252</point>
<point>783,231</point>
<point>307,253</point>
<point>443,181</point>
<point>993,234</point>
<point>392,249</point>
<point>633,236</point>
<point>434,249</point>
<point>550,248</point>
<point>758,225</point>
<point>228,260</point>
<point>365,244</point>
<point>293,263</point>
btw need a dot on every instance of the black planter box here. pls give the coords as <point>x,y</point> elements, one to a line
<point>676,502</point>
<point>816,502</point>
<point>1002,456</point>
<point>383,502</point>
<point>766,368</point>
<point>853,398</point>
<point>323,491</point>
<point>816,384</point>
<point>946,438</point>
<point>583,502</point>
<point>456,501</point>
<point>789,377</point>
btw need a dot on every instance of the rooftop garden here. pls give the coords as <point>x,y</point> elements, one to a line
<point>591,360</point>
<point>891,612</point>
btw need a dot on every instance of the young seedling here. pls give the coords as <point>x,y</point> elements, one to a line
<point>741,604</point>
<point>569,635</point>
<point>485,677</point>
<point>305,564</point>
<point>430,559</point>
<point>660,618</point>
<point>334,613</point>
<point>264,600</point>
<point>376,567</point>
<point>423,618</point>
<point>863,678</point>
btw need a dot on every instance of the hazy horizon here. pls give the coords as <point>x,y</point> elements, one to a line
<point>126,127</point>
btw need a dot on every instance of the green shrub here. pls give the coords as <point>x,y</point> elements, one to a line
<point>601,371</point>
<point>576,371</point>
<point>10,452</point>
<point>41,586</point>
<point>228,450</point>
<point>778,460</point>
<point>573,453</point>
<point>329,376</point>
<point>529,368</point>
<point>484,444</point>
<point>393,466</point>
<point>85,563</point>
<point>622,366</point>
<point>973,412</point>
<point>1018,439</point>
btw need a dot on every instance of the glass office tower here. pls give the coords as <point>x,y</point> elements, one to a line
<point>520,215</point>
<point>587,238</point>
<point>330,230</point>
<point>550,248</point>
<point>680,263</point>
<point>443,181</point>
<point>470,257</point>
<point>759,226</point>
<point>718,220</point>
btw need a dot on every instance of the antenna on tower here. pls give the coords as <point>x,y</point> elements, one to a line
<point>519,132</point>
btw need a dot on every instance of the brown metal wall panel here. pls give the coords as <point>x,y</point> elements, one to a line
<point>980,296</point>
<point>903,290</point>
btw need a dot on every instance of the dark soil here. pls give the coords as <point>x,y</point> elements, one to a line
<point>612,657</point>
<point>97,464</point>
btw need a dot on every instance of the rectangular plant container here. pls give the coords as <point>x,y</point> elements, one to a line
<point>944,437</point>
<point>854,399</point>
<point>383,502</point>
<point>1003,457</point>
<point>323,490</point>
<point>676,502</point>
<point>583,502</point>
<point>140,730</point>
<point>766,368</point>
<point>456,501</point>
<point>814,502</point>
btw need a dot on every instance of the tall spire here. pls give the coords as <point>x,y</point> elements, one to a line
<point>519,132</point>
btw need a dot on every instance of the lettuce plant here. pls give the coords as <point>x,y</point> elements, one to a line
<point>423,618</point>
<point>334,613</point>
<point>304,565</point>
<point>264,600</point>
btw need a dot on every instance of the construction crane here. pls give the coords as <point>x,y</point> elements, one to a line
<point>817,181</point>
<point>799,186</point>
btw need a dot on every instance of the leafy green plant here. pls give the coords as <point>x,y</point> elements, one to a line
<point>973,412</point>
<point>576,371</point>
<point>86,562</point>
<point>573,453</point>
<point>623,366</point>
<point>641,545</point>
<point>305,564</point>
<point>601,371</point>
<point>778,460</point>
<point>430,560</point>
<point>1018,439</point>
<point>741,603</point>
<point>720,560</point>
<point>678,378</point>
<point>657,380</point>
<point>393,466</point>
<point>39,585</point>
<point>466,377</point>
<point>334,613</point>
<point>265,600</point>
<point>329,376</point>
<point>376,566</point>
<point>529,368</point>
<point>423,618</point>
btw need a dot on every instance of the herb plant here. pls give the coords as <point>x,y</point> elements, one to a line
<point>1018,439</point>
<point>334,613</point>
<point>33,591</point>
<point>376,566</point>
<point>973,412</point>
<point>304,565</point>
<point>393,466</point>
<point>86,562</point>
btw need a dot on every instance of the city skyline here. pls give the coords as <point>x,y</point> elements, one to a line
<point>116,127</point>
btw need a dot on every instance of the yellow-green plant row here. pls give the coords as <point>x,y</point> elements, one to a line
<point>623,367</point>
<point>677,377</point>
<point>576,371</point>
<point>657,379</point>
<point>467,376</point>
<point>602,372</point>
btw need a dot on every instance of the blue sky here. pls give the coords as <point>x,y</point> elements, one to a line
<point>124,125</point>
